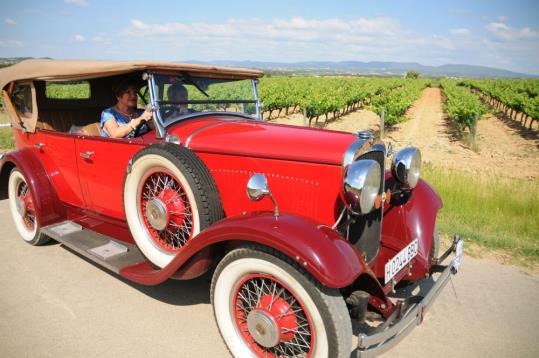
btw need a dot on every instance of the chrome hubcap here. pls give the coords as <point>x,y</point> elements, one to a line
<point>21,207</point>
<point>156,213</point>
<point>263,328</point>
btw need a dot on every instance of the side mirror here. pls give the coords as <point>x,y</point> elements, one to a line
<point>257,187</point>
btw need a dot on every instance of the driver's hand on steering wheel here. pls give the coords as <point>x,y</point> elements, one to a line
<point>145,116</point>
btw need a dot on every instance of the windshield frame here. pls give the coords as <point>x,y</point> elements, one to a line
<point>161,126</point>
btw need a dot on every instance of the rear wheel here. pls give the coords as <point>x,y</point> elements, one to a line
<point>23,209</point>
<point>265,306</point>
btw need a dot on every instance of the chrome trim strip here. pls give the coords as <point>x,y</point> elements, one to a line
<point>196,131</point>
<point>378,343</point>
<point>159,124</point>
<point>2,155</point>
<point>257,98</point>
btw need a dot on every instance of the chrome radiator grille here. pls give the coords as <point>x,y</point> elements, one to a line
<point>366,230</point>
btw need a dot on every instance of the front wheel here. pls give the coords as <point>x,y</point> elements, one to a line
<point>265,306</point>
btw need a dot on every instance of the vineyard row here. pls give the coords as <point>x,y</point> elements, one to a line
<point>336,96</point>
<point>514,98</point>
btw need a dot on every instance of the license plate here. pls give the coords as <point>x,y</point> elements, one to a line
<point>459,251</point>
<point>400,260</point>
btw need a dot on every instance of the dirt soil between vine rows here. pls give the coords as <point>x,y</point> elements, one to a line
<point>504,149</point>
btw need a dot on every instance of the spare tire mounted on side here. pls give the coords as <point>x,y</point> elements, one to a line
<point>169,197</point>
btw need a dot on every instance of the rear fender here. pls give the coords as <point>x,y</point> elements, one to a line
<point>414,217</point>
<point>49,210</point>
<point>317,248</point>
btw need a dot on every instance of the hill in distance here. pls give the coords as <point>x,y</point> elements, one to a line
<point>374,68</point>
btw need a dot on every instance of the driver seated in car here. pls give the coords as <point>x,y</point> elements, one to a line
<point>124,119</point>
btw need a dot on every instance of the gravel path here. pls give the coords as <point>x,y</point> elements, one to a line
<point>56,304</point>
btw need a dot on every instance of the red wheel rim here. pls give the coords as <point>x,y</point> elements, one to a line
<point>166,210</point>
<point>280,310</point>
<point>26,206</point>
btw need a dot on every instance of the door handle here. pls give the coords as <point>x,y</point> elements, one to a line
<point>86,155</point>
<point>39,145</point>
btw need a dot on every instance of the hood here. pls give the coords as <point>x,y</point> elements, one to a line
<point>266,140</point>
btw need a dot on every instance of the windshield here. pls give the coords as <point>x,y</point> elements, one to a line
<point>182,96</point>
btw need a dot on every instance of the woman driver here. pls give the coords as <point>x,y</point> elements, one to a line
<point>122,119</point>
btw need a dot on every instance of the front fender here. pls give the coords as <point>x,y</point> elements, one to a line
<point>48,207</point>
<point>317,248</point>
<point>416,218</point>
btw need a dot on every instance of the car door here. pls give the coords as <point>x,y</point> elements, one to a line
<point>102,164</point>
<point>57,154</point>
<point>54,148</point>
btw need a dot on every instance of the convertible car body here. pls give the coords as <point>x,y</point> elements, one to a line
<point>305,230</point>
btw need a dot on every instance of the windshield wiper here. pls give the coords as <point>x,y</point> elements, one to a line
<point>190,80</point>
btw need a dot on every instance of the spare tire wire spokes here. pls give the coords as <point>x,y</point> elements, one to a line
<point>166,209</point>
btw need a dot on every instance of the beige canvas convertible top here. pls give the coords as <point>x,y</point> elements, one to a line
<point>77,70</point>
<point>65,70</point>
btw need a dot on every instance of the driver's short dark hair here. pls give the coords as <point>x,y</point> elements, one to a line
<point>119,88</point>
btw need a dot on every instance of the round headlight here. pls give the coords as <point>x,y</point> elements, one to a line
<point>406,166</point>
<point>362,181</point>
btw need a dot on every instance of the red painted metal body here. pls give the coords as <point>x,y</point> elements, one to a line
<point>404,223</point>
<point>317,248</point>
<point>47,205</point>
<point>303,167</point>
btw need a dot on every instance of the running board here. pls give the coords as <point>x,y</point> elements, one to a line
<point>112,254</point>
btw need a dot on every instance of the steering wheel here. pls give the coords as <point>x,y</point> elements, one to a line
<point>138,129</point>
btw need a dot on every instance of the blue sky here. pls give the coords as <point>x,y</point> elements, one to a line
<point>502,34</point>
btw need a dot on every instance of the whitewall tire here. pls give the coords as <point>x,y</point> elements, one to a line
<point>23,209</point>
<point>265,306</point>
<point>169,197</point>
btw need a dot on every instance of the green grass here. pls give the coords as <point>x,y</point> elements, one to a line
<point>6,136</point>
<point>493,212</point>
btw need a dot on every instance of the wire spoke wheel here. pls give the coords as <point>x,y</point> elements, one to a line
<point>267,307</point>
<point>24,209</point>
<point>25,205</point>
<point>169,197</point>
<point>166,210</point>
<point>271,319</point>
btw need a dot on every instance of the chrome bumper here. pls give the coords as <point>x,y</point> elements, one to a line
<point>380,342</point>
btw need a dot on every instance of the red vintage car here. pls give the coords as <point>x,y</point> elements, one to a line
<point>307,234</point>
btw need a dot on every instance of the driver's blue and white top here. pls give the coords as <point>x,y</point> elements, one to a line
<point>121,119</point>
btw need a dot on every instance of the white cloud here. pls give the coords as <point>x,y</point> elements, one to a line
<point>286,40</point>
<point>306,39</point>
<point>102,39</point>
<point>9,21</point>
<point>460,32</point>
<point>77,2</point>
<point>377,31</point>
<point>11,43</point>
<point>79,38</point>
<point>507,33</point>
